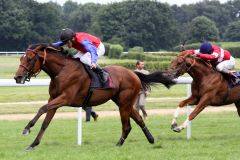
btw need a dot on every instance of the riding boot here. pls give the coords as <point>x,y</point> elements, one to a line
<point>103,75</point>
<point>234,78</point>
<point>94,115</point>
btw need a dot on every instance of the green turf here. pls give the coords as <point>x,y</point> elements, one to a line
<point>36,93</point>
<point>40,93</point>
<point>214,137</point>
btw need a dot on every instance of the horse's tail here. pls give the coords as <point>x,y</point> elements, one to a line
<point>155,77</point>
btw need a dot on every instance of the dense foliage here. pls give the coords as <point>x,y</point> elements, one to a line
<point>146,23</point>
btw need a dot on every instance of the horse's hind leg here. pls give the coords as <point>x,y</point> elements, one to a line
<point>45,124</point>
<point>237,104</point>
<point>126,126</point>
<point>138,119</point>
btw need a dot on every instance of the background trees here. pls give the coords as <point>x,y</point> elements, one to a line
<point>202,29</point>
<point>138,23</point>
<point>147,23</point>
<point>233,31</point>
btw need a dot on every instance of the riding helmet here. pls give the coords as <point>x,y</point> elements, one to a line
<point>206,47</point>
<point>66,34</point>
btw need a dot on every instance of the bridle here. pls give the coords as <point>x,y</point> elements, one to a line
<point>188,68</point>
<point>32,63</point>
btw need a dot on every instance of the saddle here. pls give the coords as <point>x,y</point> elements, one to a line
<point>96,82</point>
<point>232,80</point>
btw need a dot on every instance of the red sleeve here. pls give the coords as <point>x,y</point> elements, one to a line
<point>206,56</point>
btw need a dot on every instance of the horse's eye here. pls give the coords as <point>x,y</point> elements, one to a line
<point>179,63</point>
<point>28,59</point>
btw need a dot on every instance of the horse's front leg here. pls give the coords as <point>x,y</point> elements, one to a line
<point>31,123</point>
<point>192,100</point>
<point>204,101</point>
<point>52,103</point>
<point>50,108</point>
<point>50,114</point>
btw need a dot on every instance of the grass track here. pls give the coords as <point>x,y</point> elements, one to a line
<point>215,137</point>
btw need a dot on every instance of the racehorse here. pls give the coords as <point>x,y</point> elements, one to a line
<point>70,84</point>
<point>209,87</point>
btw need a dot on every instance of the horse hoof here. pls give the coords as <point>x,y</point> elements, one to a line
<point>26,132</point>
<point>174,125</point>
<point>176,129</point>
<point>29,148</point>
<point>151,141</point>
<point>118,144</point>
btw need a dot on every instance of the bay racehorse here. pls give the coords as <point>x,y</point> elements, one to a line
<point>209,87</point>
<point>70,83</point>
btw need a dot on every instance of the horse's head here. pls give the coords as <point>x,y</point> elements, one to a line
<point>182,64</point>
<point>31,62</point>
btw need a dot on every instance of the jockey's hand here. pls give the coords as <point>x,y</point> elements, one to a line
<point>93,66</point>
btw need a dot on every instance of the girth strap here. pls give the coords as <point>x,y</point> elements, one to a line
<point>88,97</point>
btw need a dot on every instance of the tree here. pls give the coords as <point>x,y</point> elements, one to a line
<point>233,7</point>
<point>14,25</point>
<point>202,29</point>
<point>216,12</point>
<point>25,22</point>
<point>47,23</point>
<point>232,32</point>
<point>82,18</point>
<point>149,24</point>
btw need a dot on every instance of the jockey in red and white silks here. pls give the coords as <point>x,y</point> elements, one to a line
<point>222,58</point>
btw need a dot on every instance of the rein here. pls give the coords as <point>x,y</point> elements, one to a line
<point>188,68</point>
<point>33,62</point>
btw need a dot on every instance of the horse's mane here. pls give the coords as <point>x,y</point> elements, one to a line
<point>33,46</point>
<point>199,60</point>
<point>49,47</point>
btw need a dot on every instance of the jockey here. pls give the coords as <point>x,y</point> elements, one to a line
<point>89,47</point>
<point>222,58</point>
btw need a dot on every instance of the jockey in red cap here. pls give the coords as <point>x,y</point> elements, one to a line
<point>221,58</point>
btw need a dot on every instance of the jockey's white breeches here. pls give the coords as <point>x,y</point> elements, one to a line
<point>226,65</point>
<point>86,57</point>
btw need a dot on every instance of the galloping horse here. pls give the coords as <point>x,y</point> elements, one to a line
<point>70,83</point>
<point>209,87</point>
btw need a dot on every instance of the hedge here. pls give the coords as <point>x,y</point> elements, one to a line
<point>149,65</point>
<point>115,51</point>
<point>149,57</point>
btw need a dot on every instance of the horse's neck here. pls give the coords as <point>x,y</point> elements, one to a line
<point>199,71</point>
<point>56,63</point>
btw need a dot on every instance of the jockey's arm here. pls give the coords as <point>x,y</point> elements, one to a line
<point>91,49</point>
<point>58,44</point>
<point>208,56</point>
<point>194,51</point>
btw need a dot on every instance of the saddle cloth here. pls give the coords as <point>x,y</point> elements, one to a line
<point>96,81</point>
<point>232,82</point>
